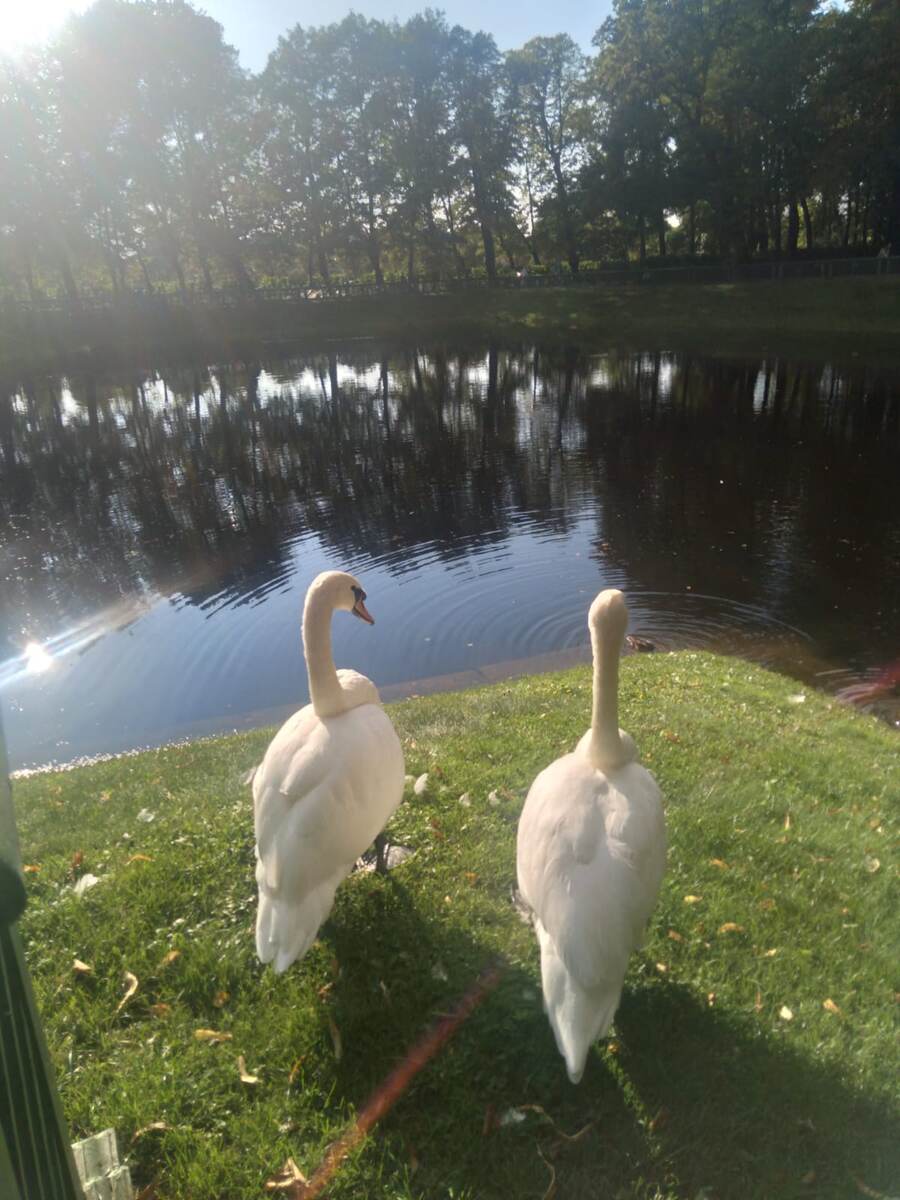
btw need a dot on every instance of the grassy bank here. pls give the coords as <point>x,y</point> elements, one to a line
<point>838,318</point>
<point>752,1052</point>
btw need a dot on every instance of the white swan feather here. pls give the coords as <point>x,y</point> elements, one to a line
<point>329,782</point>
<point>590,858</point>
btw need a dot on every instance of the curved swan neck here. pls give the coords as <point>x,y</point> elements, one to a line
<point>325,689</point>
<point>606,744</point>
<point>608,621</point>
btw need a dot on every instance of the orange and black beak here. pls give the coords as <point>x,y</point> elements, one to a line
<point>359,608</point>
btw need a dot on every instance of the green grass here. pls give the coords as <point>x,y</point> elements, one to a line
<point>779,814</point>
<point>840,318</point>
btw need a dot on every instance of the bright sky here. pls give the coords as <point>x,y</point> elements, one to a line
<point>253,26</point>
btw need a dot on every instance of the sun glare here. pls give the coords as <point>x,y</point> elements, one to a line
<point>32,24</point>
<point>37,658</point>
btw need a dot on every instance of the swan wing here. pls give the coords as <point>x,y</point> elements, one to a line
<point>323,792</point>
<point>358,688</point>
<point>590,862</point>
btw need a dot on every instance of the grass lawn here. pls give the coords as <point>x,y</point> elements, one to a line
<point>840,319</point>
<point>754,1053</point>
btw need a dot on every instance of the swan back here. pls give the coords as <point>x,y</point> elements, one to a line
<point>590,857</point>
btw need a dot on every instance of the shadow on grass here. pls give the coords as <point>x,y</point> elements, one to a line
<point>691,1102</point>
<point>741,1114</point>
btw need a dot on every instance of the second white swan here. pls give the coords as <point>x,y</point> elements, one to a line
<point>591,855</point>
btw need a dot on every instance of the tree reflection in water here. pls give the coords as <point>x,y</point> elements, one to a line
<point>769,483</point>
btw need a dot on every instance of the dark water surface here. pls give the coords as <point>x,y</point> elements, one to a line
<point>159,529</point>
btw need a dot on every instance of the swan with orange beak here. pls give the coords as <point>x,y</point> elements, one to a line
<point>327,786</point>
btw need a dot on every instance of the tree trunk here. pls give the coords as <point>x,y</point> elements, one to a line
<point>642,234</point>
<point>145,271</point>
<point>807,223</point>
<point>28,268</point>
<point>793,227</point>
<point>692,229</point>
<point>324,270</point>
<point>65,270</point>
<point>845,240</point>
<point>776,223</point>
<point>661,233</point>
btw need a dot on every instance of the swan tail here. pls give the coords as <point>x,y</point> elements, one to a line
<point>285,930</point>
<point>577,1015</point>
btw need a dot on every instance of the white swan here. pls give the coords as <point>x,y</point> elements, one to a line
<point>591,855</point>
<point>330,779</point>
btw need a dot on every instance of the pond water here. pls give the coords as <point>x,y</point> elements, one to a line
<point>160,527</point>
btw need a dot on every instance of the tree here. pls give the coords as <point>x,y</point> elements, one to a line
<point>548,77</point>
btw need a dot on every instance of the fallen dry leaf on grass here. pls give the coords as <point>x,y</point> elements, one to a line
<point>767,905</point>
<point>731,927</point>
<point>212,1036</point>
<point>771,953</point>
<point>295,1070</point>
<point>871,1192</point>
<point>161,1009</point>
<point>135,858</point>
<point>168,959</point>
<point>670,736</point>
<point>662,968</point>
<point>830,1006</point>
<point>245,1075</point>
<point>785,1013</point>
<point>288,1177</point>
<point>659,1120</point>
<point>77,862</point>
<point>674,936</point>
<point>153,1127</point>
<point>31,868</point>
<point>81,968</point>
<point>719,862</point>
<point>692,899</point>
<point>871,863</point>
<point>132,982</point>
<point>711,999</point>
<point>220,999</point>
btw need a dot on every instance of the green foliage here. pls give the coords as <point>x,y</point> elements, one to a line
<point>780,815</point>
<point>136,154</point>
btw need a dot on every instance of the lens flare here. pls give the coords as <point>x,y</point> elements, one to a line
<point>37,658</point>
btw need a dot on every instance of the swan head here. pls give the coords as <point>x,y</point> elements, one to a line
<point>340,591</point>
<point>608,616</point>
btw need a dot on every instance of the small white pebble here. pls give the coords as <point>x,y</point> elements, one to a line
<point>512,1116</point>
<point>465,800</point>
<point>146,815</point>
<point>421,784</point>
<point>493,799</point>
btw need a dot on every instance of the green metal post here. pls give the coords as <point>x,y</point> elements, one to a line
<point>35,1156</point>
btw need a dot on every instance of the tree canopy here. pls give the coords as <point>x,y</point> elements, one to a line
<point>136,154</point>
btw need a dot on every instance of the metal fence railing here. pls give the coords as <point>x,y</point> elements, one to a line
<point>632,273</point>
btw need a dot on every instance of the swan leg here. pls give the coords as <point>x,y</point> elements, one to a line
<point>381,844</point>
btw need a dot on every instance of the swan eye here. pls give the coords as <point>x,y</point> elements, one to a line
<point>358,593</point>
